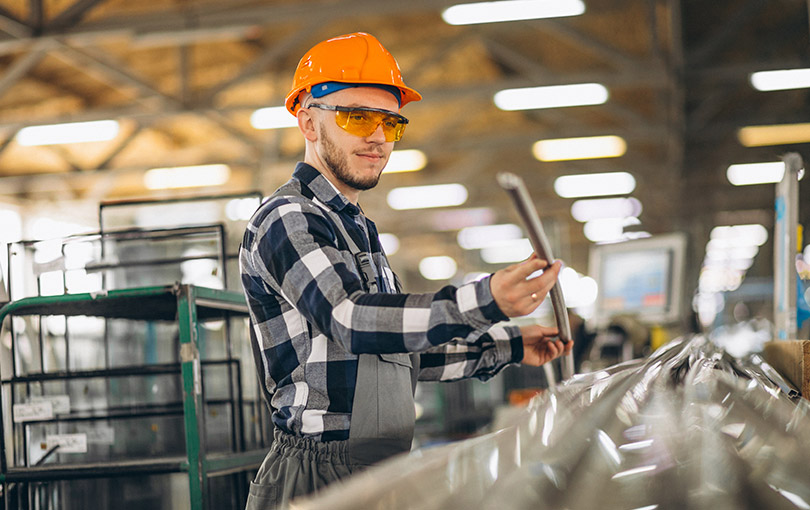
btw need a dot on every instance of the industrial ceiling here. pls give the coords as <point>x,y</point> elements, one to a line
<point>183,77</point>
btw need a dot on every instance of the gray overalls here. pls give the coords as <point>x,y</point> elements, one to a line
<point>382,419</point>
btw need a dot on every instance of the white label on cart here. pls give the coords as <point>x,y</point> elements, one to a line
<point>101,435</point>
<point>60,403</point>
<point>68,443</point>
<point>33,411</point>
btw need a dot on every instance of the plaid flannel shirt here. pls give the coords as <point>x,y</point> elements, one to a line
<point>312,317</point>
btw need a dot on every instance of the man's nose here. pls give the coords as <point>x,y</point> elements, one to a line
<point>378,135</point>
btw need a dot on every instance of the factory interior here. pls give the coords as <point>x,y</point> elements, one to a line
<point>660,146</point>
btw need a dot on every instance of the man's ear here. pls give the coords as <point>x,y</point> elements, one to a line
<point>306,124</point>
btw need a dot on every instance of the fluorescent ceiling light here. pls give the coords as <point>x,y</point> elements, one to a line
<point>594,185</point>
<point>390,243</point>
<point>423,197</point>
<point>722,252</point>
<point>456,219</point>
<point>411,160</point>
<point>554,96</point>
<point>74,132</point>
<point>784,79</point>
<point>604,230</point>
<point>589,147</point>
<point>740,235</point>
<point>594,209</point>
<point>438,268</point>
<point>755,173</point>
<point>777,134</point>
<point>473,238</point>
<point>273,117</point>
<point>186,176</point>
<point>510,10</point>
<point>506,253</point>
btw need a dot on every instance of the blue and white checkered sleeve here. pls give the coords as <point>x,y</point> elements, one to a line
<point>297,246</point>
<point>482,355</point>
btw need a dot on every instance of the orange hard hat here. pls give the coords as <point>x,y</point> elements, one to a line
<point>357,59</point>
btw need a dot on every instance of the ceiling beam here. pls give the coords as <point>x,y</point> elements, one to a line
<point>726,32</point>
<point>215,17</point>
<point>13,26</point>
<point>20,67</point>
<point>116,70</point>
<point>266,58</point>
<point>563,30</point>
<point>36,15</point>
<point>72,15</point>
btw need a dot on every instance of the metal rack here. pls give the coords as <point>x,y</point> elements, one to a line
<point>194,395</point>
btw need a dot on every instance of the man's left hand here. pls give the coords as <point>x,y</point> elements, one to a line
<point>539,346</point>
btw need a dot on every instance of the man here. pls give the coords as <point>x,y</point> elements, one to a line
<point>338,345</point>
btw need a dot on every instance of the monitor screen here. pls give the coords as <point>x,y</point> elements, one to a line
<point>642,278</point>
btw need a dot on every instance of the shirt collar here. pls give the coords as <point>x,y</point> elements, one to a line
<point>322,189</point>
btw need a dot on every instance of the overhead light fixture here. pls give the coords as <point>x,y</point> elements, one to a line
<point>473,238</point>
<point>594,185</point>
<point>604,230</point>
<point>423,197</point>
<point>594,209</point>
<point>752,234</point>
<point>438,268</point>
<point>783,79</point>
<point>186,176</point>
<point>390,243</point>
<point>553,96</point>
<point>456,219</point>
<point>776,134</point>
<point>74,132</point>
<point>273,117</point>
<point>510,10</point>
<point>588,147</point>
<point>755,173</point>
<point>411,160</point>
<point>507,253</point>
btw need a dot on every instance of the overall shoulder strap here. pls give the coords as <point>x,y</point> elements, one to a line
<point>362,259</point>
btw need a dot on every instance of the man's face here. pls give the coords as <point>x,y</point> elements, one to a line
<point>353,161</point>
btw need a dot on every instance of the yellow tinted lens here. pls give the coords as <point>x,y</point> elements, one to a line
<point>364,123</point>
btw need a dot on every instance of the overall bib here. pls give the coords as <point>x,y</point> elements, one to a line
<point>382,419</point>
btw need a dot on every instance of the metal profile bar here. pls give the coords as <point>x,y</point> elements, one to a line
<point>516,189</point>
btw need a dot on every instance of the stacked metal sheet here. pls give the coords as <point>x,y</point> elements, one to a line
<point>688,428</point>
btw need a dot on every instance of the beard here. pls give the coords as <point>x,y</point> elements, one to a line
<point>339,166</point>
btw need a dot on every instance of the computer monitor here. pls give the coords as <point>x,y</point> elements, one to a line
<point>642,277</point>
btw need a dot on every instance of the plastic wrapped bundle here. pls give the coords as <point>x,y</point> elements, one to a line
<point>688,428</point>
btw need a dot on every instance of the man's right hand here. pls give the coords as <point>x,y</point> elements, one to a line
<point>514,294</point>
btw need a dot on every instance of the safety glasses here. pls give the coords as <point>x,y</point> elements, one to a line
<point>364,121</point>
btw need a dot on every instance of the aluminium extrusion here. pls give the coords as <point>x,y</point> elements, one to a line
<point>517,191</point>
